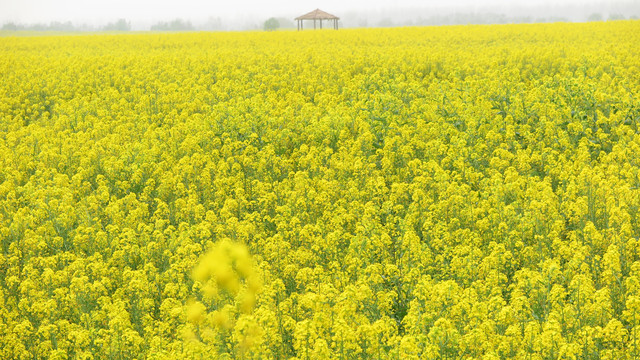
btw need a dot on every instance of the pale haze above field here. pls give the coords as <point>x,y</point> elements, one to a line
<point>238,13</point>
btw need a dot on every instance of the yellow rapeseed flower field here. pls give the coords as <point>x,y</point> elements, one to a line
<point>459,192</point>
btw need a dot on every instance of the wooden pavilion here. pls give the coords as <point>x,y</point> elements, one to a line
<point>317,15</point>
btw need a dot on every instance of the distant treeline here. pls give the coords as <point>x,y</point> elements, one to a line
<point>175,25</point>
<point>68,26</point>
<point>350,20</point>
<point>119,25</point>
<point>53,26</point>
<point>479,19</point>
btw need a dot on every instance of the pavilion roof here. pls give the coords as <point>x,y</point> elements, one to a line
<point>316,14</point>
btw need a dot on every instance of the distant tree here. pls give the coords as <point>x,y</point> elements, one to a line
<point>120,25</point>
<point>37,27</point>
<point>616,17</point>
<point>595,17</point>
<point>175,25</point>
<point>271,24</point>
<point>10,26</point>
<point>59,26</point>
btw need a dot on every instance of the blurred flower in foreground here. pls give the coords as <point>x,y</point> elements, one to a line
<point>228,267</point>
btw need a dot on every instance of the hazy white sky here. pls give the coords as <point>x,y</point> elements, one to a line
<point>100,11</point>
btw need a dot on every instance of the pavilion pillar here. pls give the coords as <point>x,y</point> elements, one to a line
<point>321,24</point>
<point>314,24</point>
